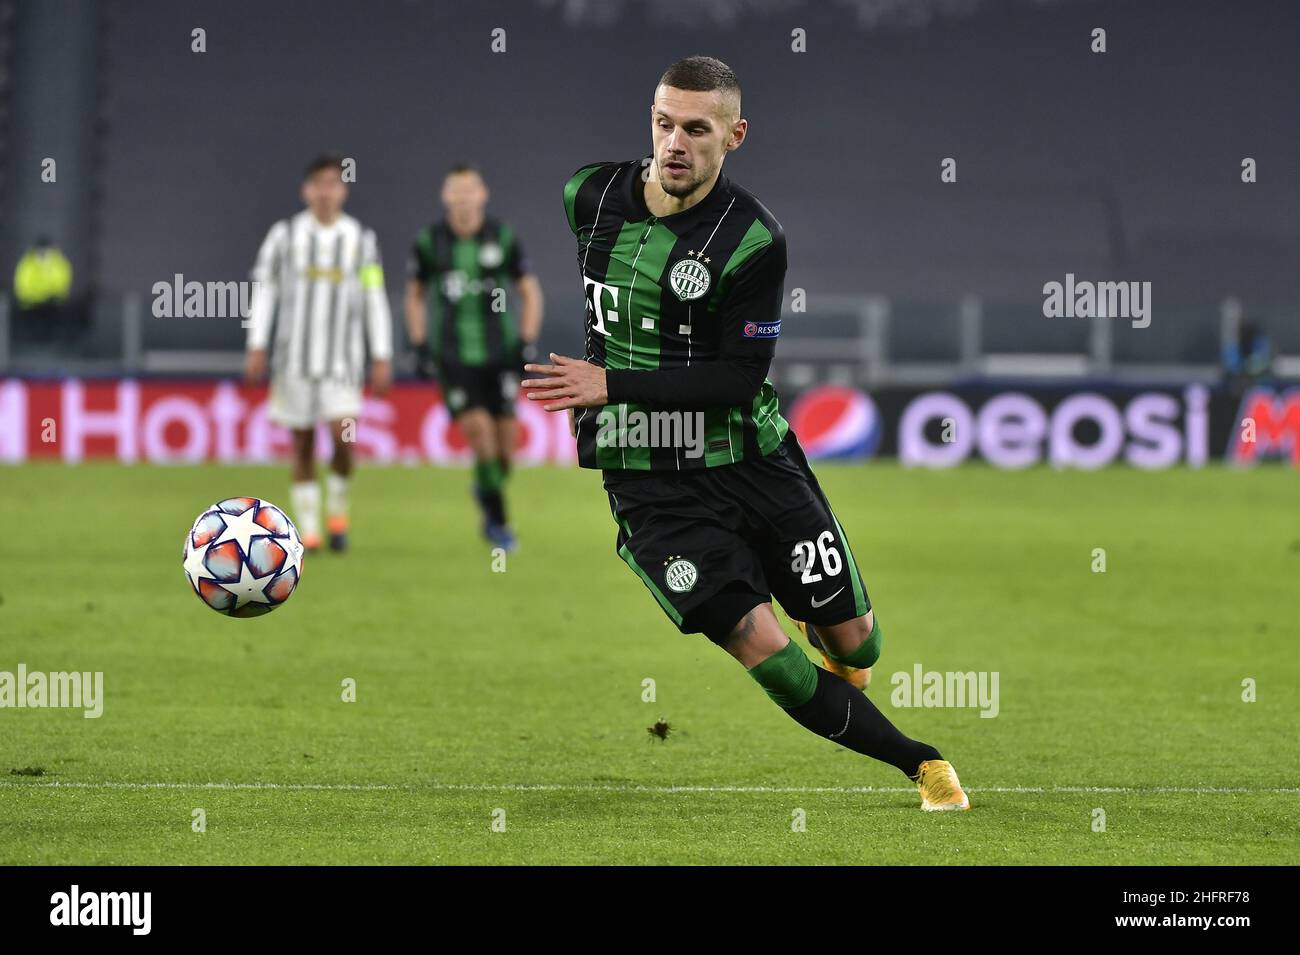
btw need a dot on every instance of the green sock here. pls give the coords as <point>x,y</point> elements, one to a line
<point>788,676</point>
<point>488,476</point>
<point>867,654</point>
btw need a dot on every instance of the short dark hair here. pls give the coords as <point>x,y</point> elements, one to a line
<point>461,167</point>
<point>702,74</point>
<point>323,161</point>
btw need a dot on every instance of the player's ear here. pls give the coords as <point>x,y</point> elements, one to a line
<point>738,132</point>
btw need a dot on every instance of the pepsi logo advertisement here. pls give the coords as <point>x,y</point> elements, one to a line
<point>1062,427</point>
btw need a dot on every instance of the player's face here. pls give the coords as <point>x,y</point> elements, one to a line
<point>324,192</point>
<point>692,131</point>
<point>464,195</point>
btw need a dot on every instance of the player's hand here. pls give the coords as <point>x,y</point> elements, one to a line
<point>255,366</point>
<point>425,367</point>
<point>572,384</point>
<point>523,353</point>
<point>381,377</point>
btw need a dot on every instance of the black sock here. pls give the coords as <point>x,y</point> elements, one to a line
<point>489,485</point>
<point>494,506</point>
<point>841,713</point>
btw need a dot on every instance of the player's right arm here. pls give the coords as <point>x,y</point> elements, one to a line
<point>416,320</point>
<point>265,294</point>
<point>418,277</point>
<point>749,320</point>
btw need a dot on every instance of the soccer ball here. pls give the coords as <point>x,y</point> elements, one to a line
<point>243,557</point>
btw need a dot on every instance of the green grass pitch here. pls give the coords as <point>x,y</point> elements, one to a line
<point>522,691</point>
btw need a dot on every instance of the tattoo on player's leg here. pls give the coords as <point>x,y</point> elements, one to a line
<point>748,623</point>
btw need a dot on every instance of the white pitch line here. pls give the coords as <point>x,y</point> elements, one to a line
<point>633,788</point>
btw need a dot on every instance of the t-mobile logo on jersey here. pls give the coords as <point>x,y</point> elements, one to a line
<point>594,291</point>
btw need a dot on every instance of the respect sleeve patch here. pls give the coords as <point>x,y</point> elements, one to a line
<point>762,329</point>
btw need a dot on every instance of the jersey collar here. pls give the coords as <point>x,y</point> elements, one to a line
<point>445,226</point>
<point>636,201</point>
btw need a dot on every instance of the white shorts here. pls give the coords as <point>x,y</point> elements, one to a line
<point>299,403</point>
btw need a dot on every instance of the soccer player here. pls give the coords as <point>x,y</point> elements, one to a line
<point>320,294</point>
<point>459,269</point>
<point>684,276</point>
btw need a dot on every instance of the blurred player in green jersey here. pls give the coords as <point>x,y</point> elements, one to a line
<point>459,321</point>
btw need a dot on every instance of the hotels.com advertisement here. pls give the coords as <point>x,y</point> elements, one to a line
<point>185,421</point>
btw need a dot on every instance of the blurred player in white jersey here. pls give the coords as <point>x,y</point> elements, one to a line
<point>320,296</point>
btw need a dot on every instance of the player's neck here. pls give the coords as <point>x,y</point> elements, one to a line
<point>327,220</point>
<point>464,228</point>
<point>662,204</point>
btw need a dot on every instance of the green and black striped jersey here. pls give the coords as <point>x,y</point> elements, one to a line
<point>698,290</point>
<point>465,280</point>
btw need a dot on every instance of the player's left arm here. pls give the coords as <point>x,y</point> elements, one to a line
<point>530,299</point>
<point>749,323</point>
<point>530,310</point>
<point>379,321</point>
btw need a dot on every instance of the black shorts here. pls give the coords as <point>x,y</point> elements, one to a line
<point>713,544</point>
<point>491,387</point>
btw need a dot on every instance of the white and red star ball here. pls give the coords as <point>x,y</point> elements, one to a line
<point>243,557</point>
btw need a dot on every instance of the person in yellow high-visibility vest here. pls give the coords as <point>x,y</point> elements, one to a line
<point>43,276</point>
